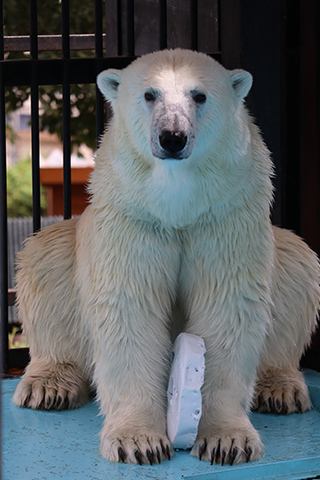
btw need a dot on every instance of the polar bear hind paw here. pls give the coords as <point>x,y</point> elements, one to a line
<point>281,392</point>
<point>52,387</point>
<point>229,449</point>
<point>137,449</point>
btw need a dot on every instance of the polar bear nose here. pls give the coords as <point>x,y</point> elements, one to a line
<point>172,142</point>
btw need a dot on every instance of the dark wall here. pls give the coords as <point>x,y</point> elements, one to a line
<point>253,37</point>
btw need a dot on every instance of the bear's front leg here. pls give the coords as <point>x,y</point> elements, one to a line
<point>130,314</point>
<point>228,304</point>
<point>131,372</point>
<point>225,432</point>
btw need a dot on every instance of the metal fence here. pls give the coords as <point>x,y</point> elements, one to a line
<point>132,28</point>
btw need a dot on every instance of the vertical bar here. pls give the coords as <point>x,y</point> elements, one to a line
<point>130,28</point>
<point>194,24</point>
<point>290,111</point>
<point>163,24</point>
<point>98,28</point>
<point>3,216</point>
<point>121,11</point>
<point>99,55</point>
<point>35,150</point>
<point>66,111</point>
<point>3,233</point>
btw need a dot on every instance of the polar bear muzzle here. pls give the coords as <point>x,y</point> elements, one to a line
<point>172,128</point>
<point>173,143</point>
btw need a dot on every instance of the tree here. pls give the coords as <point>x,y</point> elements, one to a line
<point>16,22</point>
<point>19,180</point>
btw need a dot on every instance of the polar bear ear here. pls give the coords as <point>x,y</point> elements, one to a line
<point>241,82</point>
<point>108,83</point>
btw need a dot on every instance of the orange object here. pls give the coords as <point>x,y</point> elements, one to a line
<point>52,179</point>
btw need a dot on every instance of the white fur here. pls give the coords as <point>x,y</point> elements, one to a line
<point>167,238</point>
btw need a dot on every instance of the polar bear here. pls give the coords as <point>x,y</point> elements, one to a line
<point>178,228</point>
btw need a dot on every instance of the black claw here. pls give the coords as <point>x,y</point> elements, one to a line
<point>299,406</point>
<point>168,452</point>
<point>138,456</point>
<point>218,451</point>
<point>270,405</point>
<point>121,454</point>
<point>285,409</point>
<point>249,453</point>
<point>158,456</point>
<point>234,455</point>
<point>27,399</point>
<point>213,453</point>
<point>67,403</point>
<point>223,456</point>
<point>163,449</point>
<point>297,402</point>
<point>202,449</point>
<point>49,403</point>
<point>149,456</point>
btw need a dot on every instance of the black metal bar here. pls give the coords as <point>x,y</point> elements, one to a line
<point>65,29</point>
<point>120,46</point>
<point>1,32</point>
<point>163,24</point>
<point>130,27</point>
<point>66,111</point>
<point>194,24</point>
<point>3,218</point>
<point>99,55</point>
<point>33,29</point>
<point>98,28</point>
<point>50,71</point>
<point>290,95</point>
<point>21,43</point>
<point>35,149</point>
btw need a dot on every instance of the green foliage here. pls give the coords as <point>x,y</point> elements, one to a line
<point>19,186</point>
<point>16,339</point>
<point>83,114</point>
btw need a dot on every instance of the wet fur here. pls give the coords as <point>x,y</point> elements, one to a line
<point>193,237</point>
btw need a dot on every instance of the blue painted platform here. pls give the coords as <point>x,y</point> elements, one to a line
<point>64,445</point>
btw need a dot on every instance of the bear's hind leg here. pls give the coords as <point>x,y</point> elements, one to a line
<point>50,385</point>
<point>281,387</point>
<point>281,391</point>
<point>49,308</point>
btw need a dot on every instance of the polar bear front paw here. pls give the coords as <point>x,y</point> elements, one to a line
<point>233,448</point>
<point>138,449</point>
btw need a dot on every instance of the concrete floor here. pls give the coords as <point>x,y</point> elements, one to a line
<point>64,445</point>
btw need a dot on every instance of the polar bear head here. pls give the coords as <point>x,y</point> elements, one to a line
<point>179,139</point>
<point>174,104</point>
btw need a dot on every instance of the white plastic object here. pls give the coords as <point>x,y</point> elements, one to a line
<point>184,390</point>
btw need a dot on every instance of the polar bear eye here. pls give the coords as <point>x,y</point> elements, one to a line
<point>149,97</point>
<point>199,98</point>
